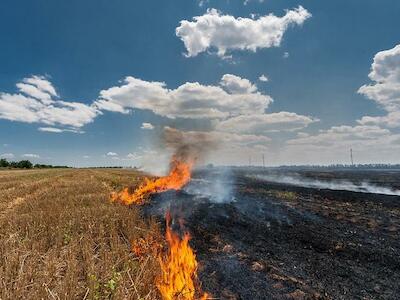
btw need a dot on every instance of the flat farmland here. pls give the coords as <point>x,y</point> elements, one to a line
<point>61,238</point>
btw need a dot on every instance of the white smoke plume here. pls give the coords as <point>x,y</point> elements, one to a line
<point>343,185</point>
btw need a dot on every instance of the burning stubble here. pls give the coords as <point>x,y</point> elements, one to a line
<point>178,279</point>
<point>179,176</point>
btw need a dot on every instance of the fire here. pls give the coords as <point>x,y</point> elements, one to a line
<point>145,246</point>
<point>179,175</point>
<point>178,268</point>
<point>178,279</point>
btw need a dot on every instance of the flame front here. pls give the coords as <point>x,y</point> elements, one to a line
<point>178,268</point>
<point>178,277</point>
<point>179,175</point>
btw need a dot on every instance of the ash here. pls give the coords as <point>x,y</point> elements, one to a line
<point>260,239</point>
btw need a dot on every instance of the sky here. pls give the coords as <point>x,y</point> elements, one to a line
<point>95,83</point>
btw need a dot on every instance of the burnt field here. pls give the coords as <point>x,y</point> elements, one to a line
<point>254,238</point>
<point>260,239</point>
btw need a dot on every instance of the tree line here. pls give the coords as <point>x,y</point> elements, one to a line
<point>25,164</point>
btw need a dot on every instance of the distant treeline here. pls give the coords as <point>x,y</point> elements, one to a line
<point>25,164</point>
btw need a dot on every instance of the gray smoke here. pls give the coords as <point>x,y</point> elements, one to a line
<point>189,145</point>
<point>214,184</point>
<point>193,146</point>
<point>344,185</point>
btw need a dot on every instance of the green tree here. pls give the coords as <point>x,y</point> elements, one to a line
<point>4,163</point>
<point>24,164</point>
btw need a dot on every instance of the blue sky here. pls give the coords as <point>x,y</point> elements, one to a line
<point>314,74</point>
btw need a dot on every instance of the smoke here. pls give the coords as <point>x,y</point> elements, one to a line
<point>214,184</point>
<point>193,147</point>
<point>344,185</point>
<point>189,146</point>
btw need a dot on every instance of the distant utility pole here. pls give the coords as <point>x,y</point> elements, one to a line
<point>263,160</point>
<point>351,157</point>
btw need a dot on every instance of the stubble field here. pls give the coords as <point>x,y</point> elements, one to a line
<point>61,238</point>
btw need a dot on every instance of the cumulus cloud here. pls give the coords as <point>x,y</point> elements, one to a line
<point>263,78</point>
<point>37,103</point>
<point>236,85</point>
<point>264,123</point>
<point>214,30</point>
<point>392,119</point>
<point>111,154</point>
<point>232,96</point>
<point>338,135</point>
<point>369,144</point>
<point>147,126</point>
<point>385,88</point>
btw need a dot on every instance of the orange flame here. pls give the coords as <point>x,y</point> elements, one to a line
<point>178,268</point>
<point>147,245</point>
<point>178,277</point>
<point>179,175</point>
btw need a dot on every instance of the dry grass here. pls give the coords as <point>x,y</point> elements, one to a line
<point>60,238</point>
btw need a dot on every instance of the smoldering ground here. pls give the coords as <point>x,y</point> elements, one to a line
<point>298,179</point>
<point>269,241</point>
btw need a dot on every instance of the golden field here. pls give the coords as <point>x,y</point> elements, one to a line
<point>61,238</point>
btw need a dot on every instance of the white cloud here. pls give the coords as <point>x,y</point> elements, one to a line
<point>7,155</point>
<point>111,154</point>
<point>339,135</point>
<point>147,126</point>
<point>133,156</point>
<point>392,119</point>
<point>369,144</point>
<point>203,2</point>
<point>236,85</point>
<point>42,84</point>
<point>59,130</point>
<point>263,123</point>
<point>233,96</point>
<point>86,156</point>
<point>245,2</point>
<point>30,155</point>
<point>225,32</point>
<point>385,89</point>
<point>263,78</point>
<point>36,104</point>
<point>286,55</point>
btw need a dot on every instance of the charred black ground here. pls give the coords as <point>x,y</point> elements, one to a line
<point>276,241</point>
